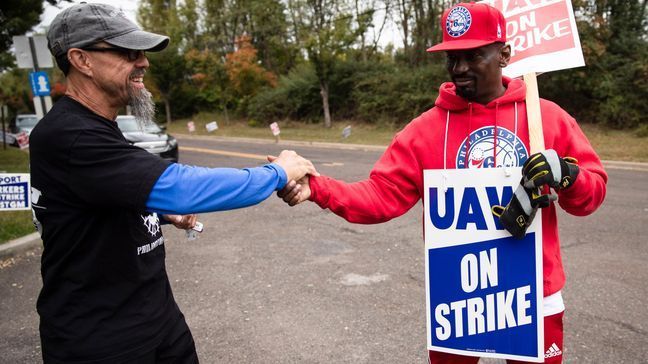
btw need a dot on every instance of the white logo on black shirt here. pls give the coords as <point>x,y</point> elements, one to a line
<point>35,195</point>
<point>152,223</point>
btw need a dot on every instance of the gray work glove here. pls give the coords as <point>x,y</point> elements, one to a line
<point>547,168</point>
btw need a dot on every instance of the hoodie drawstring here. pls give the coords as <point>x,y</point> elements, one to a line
<point>445,142</point>
<point>470,111</point>
<point>445,154</point>
<point>495,135</point>
<point>507,169</point>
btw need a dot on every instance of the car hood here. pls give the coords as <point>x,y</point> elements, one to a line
<point>135,137</point>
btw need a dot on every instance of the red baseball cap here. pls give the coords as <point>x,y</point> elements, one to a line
<point>468,26</point>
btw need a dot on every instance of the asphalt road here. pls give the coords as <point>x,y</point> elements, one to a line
<point>273,284</point>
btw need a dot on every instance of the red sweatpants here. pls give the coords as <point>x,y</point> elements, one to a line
<point>553,343</point>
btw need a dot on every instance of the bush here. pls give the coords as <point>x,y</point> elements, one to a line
<point>612,89</point>
<point>642,131</point>
<point>392,93</point>
<point>609,92</point>
<point>296,97</point>
<point>367,91</point>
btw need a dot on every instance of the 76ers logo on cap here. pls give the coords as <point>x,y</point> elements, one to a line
<point>458,21</point>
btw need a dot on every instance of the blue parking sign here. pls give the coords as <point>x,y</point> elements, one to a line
<point>39,83</point>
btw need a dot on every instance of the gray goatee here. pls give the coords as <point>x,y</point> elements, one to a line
<point>142,106</point>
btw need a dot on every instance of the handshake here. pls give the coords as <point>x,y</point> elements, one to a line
<point>298,169</point>
<point>544,168</point>
<point>541,169</point>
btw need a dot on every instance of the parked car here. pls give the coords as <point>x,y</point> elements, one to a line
<point>152,138</point>
<point>18,130</point>
<point>24,122</point>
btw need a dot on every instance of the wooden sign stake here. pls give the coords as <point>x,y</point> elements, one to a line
<point>534,117</point>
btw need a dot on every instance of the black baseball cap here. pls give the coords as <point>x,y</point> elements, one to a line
<point>85,24</point>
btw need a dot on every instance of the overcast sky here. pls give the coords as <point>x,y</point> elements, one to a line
<point>129,7</point>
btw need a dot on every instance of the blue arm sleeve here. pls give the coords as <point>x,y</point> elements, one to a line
<point>185,189</point>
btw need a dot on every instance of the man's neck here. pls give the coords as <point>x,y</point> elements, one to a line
<point>486,99</point>
<point>89,96</point>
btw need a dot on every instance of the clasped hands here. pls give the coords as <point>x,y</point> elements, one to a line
<point>541,169</point>
<point>298,170</point>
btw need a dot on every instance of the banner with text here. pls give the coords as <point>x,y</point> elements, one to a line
<point>14,191</point>
<point>542,34</point>
<point>483,287</point>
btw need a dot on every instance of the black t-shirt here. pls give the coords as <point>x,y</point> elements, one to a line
<point>105,288</point>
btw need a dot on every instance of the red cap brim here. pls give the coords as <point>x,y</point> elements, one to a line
<point>457,45</point>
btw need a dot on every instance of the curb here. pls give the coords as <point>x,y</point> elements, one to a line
<point>19,245</point>
<point>297,143</point>
<point>633,166</point>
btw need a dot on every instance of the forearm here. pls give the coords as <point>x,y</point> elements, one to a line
<point>586,194</point>
<point>186,189</point>
<point>589,189</point>
<point>371,201</point>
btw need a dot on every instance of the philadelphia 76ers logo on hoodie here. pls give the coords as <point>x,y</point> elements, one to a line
<point>481,149</point>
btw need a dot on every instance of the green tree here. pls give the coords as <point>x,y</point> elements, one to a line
<point>268,27</point>
<point>324,30</point>
<point>14,90</point>
<point>209,79</point>
<point>263,20</point>
<point>418,22</point>
<point>365,12</point>
<point>168,68</point>
<point>16,18</point>
<point>246,76</point>
<point>613,86</point>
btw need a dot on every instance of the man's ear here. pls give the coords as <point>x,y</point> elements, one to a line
<point>505,55</point>
<point>80,61</point>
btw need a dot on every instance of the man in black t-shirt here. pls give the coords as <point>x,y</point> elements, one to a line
<point>98,201</point>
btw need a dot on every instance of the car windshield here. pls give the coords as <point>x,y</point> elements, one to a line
<point>23,121</point>
<point>130,125</point>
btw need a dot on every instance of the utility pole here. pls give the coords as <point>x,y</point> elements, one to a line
<point>4,131</point>
<point>35,69</point>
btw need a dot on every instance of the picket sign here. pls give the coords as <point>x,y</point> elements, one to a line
<point>483,286</point>
<point>543,37</point>
<point>15,191</point>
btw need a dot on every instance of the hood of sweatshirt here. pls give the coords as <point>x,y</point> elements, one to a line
<point>472,130</point>
<point>449,100</point>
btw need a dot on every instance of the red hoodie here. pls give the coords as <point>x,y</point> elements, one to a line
<point>395,183</point>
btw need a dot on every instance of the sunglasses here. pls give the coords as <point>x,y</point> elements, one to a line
<point>131,54</point>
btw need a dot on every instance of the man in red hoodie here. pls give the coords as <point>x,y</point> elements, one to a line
<point>479,121</point>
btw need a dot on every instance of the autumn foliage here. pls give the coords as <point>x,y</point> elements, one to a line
<point>245,73</point>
